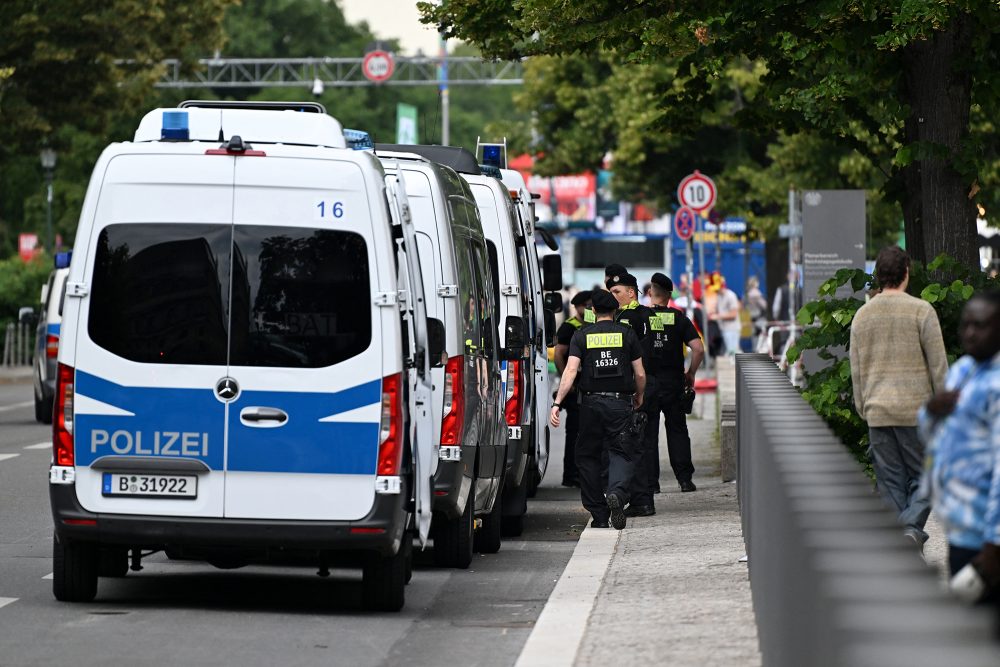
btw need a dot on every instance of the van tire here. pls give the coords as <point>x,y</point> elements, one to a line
<point>112,562</point>
<point>408,545</point>
<point>488,537</point>
<point>513,526</point>
<point>453,539</point>
<point>74,570</point>
<point>384,580</point>
<point>43,410</point>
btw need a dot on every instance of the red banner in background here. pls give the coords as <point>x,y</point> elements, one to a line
<point>27,246</point>
<point>575,195</point>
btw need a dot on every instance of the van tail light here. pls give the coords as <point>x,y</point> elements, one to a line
<point>62,422</point>
<point>390,437</point>
<point>515,394</point>
<point>454,402</point>
<point>51,346</point>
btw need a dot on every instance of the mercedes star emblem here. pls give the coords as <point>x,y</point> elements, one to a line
<point>227,389</point>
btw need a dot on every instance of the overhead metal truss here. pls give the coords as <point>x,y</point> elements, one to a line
<point>336,72</point>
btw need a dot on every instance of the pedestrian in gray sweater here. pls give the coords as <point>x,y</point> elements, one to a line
<point>898,361</point>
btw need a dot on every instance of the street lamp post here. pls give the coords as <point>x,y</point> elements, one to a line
<point>48,157</point>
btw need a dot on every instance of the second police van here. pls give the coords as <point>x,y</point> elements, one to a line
<point>466,404</point>
<point>232,382</point>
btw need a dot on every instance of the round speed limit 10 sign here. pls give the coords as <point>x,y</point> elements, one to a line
<point>697,192</point>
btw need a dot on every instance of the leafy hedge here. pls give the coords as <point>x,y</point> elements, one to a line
<point>20,285</point>
<point>944,283</point>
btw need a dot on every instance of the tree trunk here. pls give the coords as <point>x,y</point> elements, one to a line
<point>940,216</point>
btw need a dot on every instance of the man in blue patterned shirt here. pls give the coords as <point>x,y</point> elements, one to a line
<point>963,425</point>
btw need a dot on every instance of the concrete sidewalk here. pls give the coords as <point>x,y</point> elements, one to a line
<point>672,590</point>
<point>15,374</point>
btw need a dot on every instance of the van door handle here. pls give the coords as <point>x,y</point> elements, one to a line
<point>264,417</point>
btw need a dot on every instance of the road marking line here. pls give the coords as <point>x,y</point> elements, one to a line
<point>49,575</point>
<point>4,457</point>
<point>6,601</point>
<point>558,632</point>
<point>41,445</point>
<point>17,406</point>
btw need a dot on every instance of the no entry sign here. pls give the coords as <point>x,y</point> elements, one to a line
<point>684,221</point>
<point>697,192</point>
<point>378,66</point>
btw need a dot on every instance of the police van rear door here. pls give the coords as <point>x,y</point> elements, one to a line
<point>306,347</point>
<point>147,300</point>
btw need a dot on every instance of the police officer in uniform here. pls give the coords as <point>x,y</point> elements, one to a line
<point>670,331</point>
<point>608,358</point>
<point>582,316</point>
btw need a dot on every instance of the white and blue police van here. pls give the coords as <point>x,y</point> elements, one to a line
<point>505,245</point>
<point>232,382</point>
<point>47,338</point>
<point>468,415</point>
<point>543,280</point>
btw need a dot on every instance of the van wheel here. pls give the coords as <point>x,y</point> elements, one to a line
<point>513,526</point>
<point>43,410</point>
<point>453,539</point>
<point>487,539</point>
<point>74,570</point>
<point>384,580</point>
<point>112,562</point>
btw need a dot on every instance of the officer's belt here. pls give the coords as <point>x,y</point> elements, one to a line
<point>608,394</point>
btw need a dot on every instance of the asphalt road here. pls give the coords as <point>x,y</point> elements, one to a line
<point>180,612</point>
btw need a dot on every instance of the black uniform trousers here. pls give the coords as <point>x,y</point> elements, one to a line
<point>572,406</point>
<point>664,395</point>
<point>604,451</point>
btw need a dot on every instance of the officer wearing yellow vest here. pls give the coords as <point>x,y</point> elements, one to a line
<point>608,358</point>
<point>671,330</point>
<point>582,316</point>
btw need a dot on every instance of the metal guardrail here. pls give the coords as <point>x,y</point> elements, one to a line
<point>18,344</point>
<point>834,582</point>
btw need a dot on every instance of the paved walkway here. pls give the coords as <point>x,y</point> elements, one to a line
<point>666,590</point>
<point>15,374</point>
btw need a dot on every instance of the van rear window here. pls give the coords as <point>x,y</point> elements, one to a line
<point>301,297</point>
<point>297,297</point>
<point>159,292</point>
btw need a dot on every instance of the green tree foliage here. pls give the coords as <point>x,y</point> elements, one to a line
<point>910,86</point>
<point>944,283</point>
<point>21,285</point>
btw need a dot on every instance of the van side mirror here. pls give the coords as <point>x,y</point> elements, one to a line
<point>513,337</point>
<point>436,342</point>
<point>553,301</point>
<point>551,273</point>
<point>550,328</point>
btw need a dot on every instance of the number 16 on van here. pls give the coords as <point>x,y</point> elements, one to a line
<point>328,209</point>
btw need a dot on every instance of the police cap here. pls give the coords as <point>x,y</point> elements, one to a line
<point>614,270</point>
<point>626,279</point>
<point>663,282</point>
<point>581,297</point>
<point>604,302</point>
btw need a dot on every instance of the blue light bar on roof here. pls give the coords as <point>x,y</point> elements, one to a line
<point>175,126</point>
<point>358,140</point>
<point>62,259</point>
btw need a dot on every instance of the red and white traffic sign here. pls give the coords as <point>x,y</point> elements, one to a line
<point>697,192</point>
<point>378,66</point>
<point>684,222</point>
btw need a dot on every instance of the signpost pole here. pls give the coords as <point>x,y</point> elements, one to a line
<point>702,234</point>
